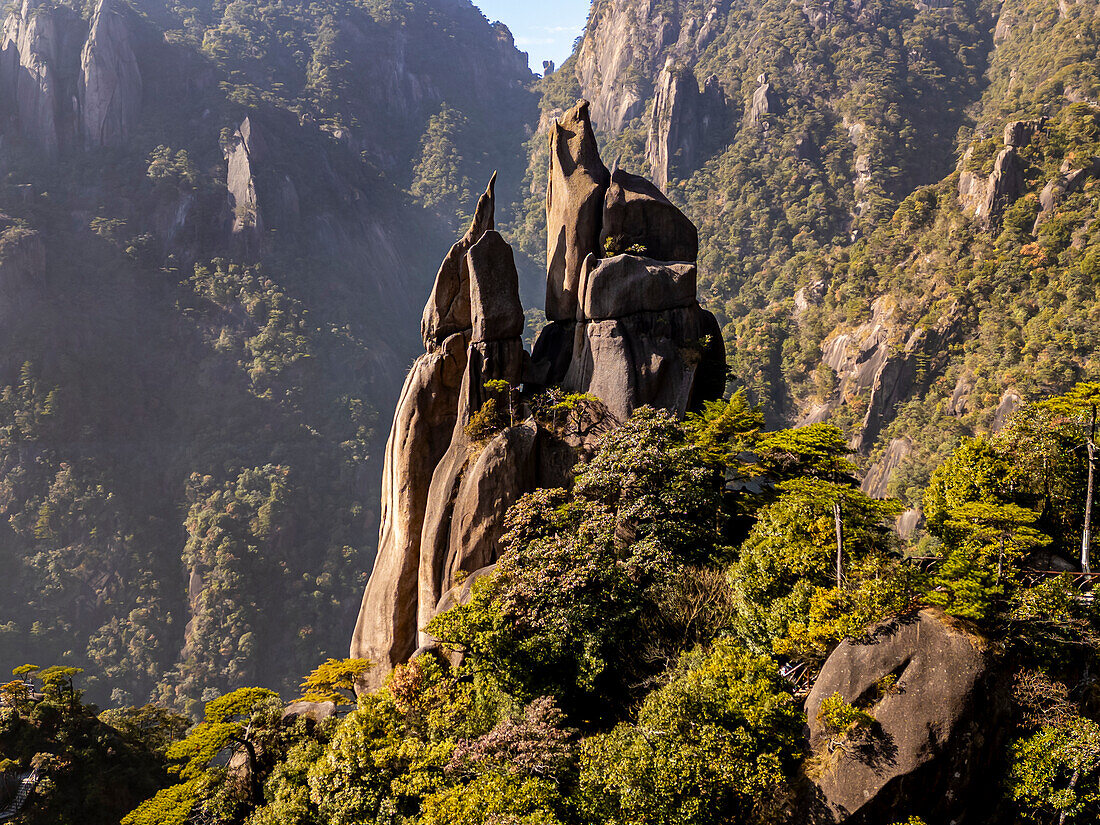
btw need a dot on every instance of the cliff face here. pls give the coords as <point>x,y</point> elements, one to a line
<point>625,329</point>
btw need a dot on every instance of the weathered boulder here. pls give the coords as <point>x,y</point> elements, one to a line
<point>636,213</point>
<point>448,308</point>
<point>110,80</point>
<point>628,284</point>
<point>936,732</point>
<point>314,711</point>
<point>578,181</point>
<point>672,360</point>
<point>1019,133</point>
<point>495,309</point>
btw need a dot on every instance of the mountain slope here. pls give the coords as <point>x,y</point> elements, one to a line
<point>217,237</point>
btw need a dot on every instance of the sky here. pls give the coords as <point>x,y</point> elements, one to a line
<point>545,29</point>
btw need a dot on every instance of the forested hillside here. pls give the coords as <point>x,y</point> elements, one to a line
<point>794,132</point>
<point>220,222</point>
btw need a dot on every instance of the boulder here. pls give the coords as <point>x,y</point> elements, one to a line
<point>495,309</point>
<point>110,81</point>
<point>448,308</point>
<point>636,213</point>
<point>629,284</point>
<point>314,711</point>
<point>672,360</point>
<point>1019,133</point>
<point>578,181</point>
<point>936,730</point>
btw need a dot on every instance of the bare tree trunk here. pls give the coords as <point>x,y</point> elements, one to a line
<point>839,546</point>
<point>1086,536</point>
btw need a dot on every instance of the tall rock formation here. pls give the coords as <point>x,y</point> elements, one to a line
<point>110,80</point>
<point>247,221</point>
<point>574,203</point>
<point>686,124</point>
<point>465,443</point>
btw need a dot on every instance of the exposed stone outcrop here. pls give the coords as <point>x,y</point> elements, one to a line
<point>884,360</point>
<point>936,730</point>
<point>685,123</point>
<point>763,102</point>
<point>987,200</point>
<point>35,40</point>
<point>1071,178</point>
<point>574,206</point>
<point>876,482</point>
<point>110,81</point>
<point>627,330</point>
<point>242,156</point>
<point>637,214</point>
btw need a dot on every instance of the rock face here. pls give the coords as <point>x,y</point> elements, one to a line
<point>763,102</point>
<point>627,329</point>
<point>110,82</point>
<point>65,81</point>
<point>686,124</point>
<point>574,204</point>
<point>637,214</point>
<point>988,200</point>
<point>884,359</point>
<point>936,729</point>
<point>242,155</point>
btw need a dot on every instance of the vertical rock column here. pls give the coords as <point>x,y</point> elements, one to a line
<point>110,81</point>
<point>423,425</point>
<point>462,482</point>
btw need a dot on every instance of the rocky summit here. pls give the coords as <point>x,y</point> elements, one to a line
<point>627,331</point>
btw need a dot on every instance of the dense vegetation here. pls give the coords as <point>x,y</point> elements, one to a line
<point>623,662</point>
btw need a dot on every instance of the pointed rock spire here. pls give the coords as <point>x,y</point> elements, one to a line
<point>448,308</point>
<point>575,192</point>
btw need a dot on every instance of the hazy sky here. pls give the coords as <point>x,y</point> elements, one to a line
<point>545,29</point>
